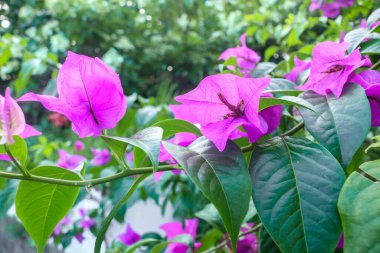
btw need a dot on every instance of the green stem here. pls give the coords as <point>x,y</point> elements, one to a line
<point>375,65</point>
<point>23,170</point>
<point>87,183</point>
<point>294,130</point>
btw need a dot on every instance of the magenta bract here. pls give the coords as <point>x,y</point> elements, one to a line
<point>221,103</point>
<point>370,81</point>
<point>129,237</point>
<point>89,94</point>
<point>69,161</point>
<point>101,157</point>
<point>173,229</point>
<point>330,9</point>
<point>299,67</point>
<point>246,58</point>
<point>331,68</point>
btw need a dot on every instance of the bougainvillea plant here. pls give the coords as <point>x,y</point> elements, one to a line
<point>281,149</point>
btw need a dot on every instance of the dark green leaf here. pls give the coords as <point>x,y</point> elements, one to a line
<point>345,123</point>
<point>174,126</point>
<point>137,245</point>
<point>221,176</point>
<point>267,245</point>
<point>103,228</point>
<point>40,206</point>
<point>359,206</point>
<point>370,47</point>
<point>147,140</point>
<point>296,184</point>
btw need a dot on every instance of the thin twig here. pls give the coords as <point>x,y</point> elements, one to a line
<point>24,171</point>
<point>294,130</point>
<point>227,241</point>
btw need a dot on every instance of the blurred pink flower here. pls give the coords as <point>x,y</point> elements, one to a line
<point>331,68</point>
<point>101,157</point>
<point>12,120</point>
<point>65,221</point>
<point>248,243</point>
<point>246,58</point>
<point>69,161</point>
<point>80,238</point>
<point>129,237</point>
<point>299,67</point>
<point>221,103</point>
<point>89,94</point>
<point>86,222</point>
<point>78,146</point>
<point>340,243</point>
<point>330,9</point>
<point>173,229</point>
<point>370,81</point>
<point>58,120</point>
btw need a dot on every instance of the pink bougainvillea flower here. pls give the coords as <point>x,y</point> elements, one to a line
<point>78,146</point>
<point>89,94</point>
<point>101,157</point>
<point>129,237</point>
<point>299,67</point>
<point>363,24</point>
<point>69,161</point>
<point>12,120</point>
<point>330,9</point>
<point>173,229</point>
<point>248,243</point>
<point>330,68</point>
<point>370,81</point>
<point>246,58</point>
<point>65,221</point>
<point>80,238</point>
<point>86,222</point>
<point>221,103</point>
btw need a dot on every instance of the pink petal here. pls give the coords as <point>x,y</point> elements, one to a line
<point>29,131</point>
<point>172,229</point>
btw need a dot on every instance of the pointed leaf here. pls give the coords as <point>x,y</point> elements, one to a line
<point>148,140</point>
<point>174,126</point>
<point>40,206</point>
<point>296,184</point>
<point>221,176</point>
<point>345,123</point>
<point>266,102</point>
<point>267,245</point>
<point>359,206</point>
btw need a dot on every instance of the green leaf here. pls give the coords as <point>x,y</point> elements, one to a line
<point>107,221</point>
<point>40,206</point>
<point>210,214</point>
<point>284,92</point>
<point>263,69</point>
<point>266,102</point>
<point>281,84</point>
<point>185,239</point>
<point>267,245</point>
<point>296,184</point>
<point>174,126</point>
<point>375,16</point>
<point>345,123</point>
<point>355,37</point>
<point>24,76</point>
<point>221,176</point>
<point>370,47</point>
<point>359,206</point>
<point>147,140</point>
<point>230,61</point>
<point>18,149</point>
